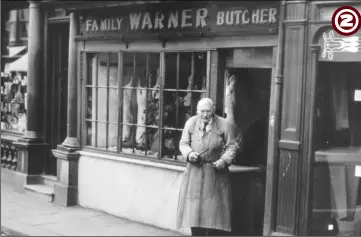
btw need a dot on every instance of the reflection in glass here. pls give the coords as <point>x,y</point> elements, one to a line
<point>337,143</point>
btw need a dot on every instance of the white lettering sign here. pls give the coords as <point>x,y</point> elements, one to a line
<point>243,17</point>
<point>185,18</point>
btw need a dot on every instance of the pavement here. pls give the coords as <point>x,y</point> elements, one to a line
<point>26,215</point>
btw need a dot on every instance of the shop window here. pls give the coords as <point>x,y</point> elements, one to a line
<point>336,203</point>
<point>139,112</point>
<point>102,98</point>
<point>13,101</point>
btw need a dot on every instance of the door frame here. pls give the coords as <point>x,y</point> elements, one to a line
<point>274,123</point>
<point>50,22</point>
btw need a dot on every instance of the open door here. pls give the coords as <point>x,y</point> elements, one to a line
<point>247,83</point>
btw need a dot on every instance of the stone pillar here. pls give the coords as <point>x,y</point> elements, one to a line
<point>35,73</point>
<point>65,190</point>
<point>32,149</point>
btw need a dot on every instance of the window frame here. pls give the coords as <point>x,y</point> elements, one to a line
<point>160,128</point>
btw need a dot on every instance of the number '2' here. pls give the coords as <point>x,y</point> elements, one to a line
<point>346,20</point>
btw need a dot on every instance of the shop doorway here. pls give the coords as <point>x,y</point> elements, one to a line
<point>251,91</point>
<point>57,88</point>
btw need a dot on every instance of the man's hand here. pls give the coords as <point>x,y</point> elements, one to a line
<point>193,157</point>
<point>219,164</point>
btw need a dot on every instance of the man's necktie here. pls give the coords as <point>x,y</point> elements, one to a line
<point>204,128</point>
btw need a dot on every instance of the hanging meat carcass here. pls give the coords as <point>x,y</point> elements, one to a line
<point>127,109</point>
<point>141,114</point>
<point>230,98</point>
<point>231,107</point>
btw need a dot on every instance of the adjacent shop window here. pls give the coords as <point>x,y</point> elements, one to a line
<point>18,26</point>
<point>336,206</point>
<point>13,101</point>
<point>132,109</point>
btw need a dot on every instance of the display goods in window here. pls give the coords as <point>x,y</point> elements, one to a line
<point>13,101</point>
<point>141,114</point>
<point>127,108</point>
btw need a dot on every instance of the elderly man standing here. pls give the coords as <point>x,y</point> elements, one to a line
<point>209,147</point>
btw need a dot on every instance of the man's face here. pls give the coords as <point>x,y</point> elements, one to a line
<point>205,112</point>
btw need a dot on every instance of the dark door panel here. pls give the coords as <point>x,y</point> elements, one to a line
<point>57,85</point>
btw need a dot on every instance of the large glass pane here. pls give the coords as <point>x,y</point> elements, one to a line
<point>101,135</point>
<point>112,137</point>
<point>91,69</point>
<point>102,108</point>
<point>90,111</point>
<point>103,69</point>
<point>170,81</point>
<point>113,105</point>
<point>170,109</point>
<point>90,131</point>
<point>113,70</point>
<point>185,71</point>
<point>170,144</point>
<point>336,206</point>
<point>200,70</point>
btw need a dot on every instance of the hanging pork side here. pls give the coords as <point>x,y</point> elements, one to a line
<point>141,115</point>
<point>127,109</point>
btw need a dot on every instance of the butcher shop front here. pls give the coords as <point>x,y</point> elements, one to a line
<point>140,71</point>
<point>135,72</point>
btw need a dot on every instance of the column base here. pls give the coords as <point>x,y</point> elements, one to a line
<point>65,195</point>
<point>66,189</point>
<point>31,155</point>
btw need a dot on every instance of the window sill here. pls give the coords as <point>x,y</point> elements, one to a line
<point>135,160</point>
<point>339,155</point>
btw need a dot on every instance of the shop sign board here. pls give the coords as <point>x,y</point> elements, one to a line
<point>338,48</point>
<point>183,18</point>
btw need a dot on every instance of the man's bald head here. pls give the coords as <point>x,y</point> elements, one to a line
<point>205,109</point>
<point>205,102</point>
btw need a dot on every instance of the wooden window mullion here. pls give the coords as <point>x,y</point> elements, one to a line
<point>96,99</point>
<point>85,101</point>
<point>192,80</point>
<point>134,85</point>
<point>161,104</point>
<point>177,99</point>
<point>107,104</point>
<point>208,72</point>
<point>148,79</point>
<point>120,100</point>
